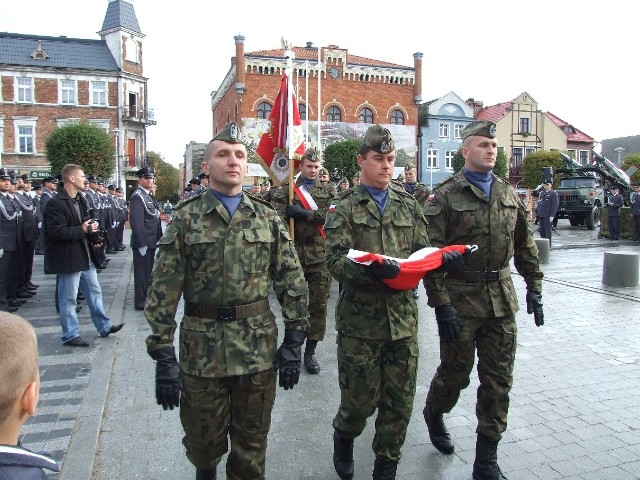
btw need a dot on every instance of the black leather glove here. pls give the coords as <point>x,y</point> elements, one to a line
<point>452,261</point>
<point>168,378</point>
<point>534,305</point>
<point>287,362</point>
<point>448,322</point>
<point>388,269</point>
<point>297,212</point>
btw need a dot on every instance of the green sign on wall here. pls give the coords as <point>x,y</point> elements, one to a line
<point>39,174</point>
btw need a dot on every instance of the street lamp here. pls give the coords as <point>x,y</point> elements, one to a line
<point>116,134</point>
<point>619,150</point>
<point>430,163</point>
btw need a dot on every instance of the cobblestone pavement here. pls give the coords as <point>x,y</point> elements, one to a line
<point>575,404</point>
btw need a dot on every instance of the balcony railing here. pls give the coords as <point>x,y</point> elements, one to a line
<point>130,113</point>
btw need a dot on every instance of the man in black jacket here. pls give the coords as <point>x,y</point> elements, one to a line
<point>67,229</point>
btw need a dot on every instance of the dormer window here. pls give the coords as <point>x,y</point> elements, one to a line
<point>39,53</point>
<point>569,129</point>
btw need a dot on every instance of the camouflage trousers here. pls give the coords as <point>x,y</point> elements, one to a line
<point>319,280</point>
<point>495,341</point>
<point>239,407</point>
<point>377,374</point>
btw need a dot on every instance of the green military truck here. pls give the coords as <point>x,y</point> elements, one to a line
<point>582,190</point>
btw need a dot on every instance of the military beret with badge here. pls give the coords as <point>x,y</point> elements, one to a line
<point>379,139</point>
<point>481,128</point>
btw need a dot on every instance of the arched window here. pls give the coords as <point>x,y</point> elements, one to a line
<point>334,114</point>
<point>397,117</point>
<point>366,115</point>
<point>303,111</point>
<point>264,109</point>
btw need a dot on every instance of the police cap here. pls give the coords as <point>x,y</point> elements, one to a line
<point>92,179</point>
<point>203,175</point>
<point>25,178</point>
<point>111,187</point>
<point>230,133</point>
<point>379,140</point>
<point>194,181</point>
<point>37,186</point>
<point>481,128</point>
<point>119,189</point>
<point>4,174</point>
<point>146,172</point>
<point>53,180</point>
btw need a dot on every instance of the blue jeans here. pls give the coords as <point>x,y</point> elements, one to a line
<point>68,284</point>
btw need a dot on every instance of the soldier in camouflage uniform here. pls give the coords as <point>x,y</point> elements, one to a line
<point>309,238</point>
<point>221,253</point>
<point>356,179</point>
<point>475,307</point>
<point>377,326</point>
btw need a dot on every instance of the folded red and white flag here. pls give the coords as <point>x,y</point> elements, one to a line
<point>415,267</point>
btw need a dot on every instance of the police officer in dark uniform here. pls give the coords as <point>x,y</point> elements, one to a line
<point>9,245</point>
<point>146,230</point>
<point>48,191</point>
<point>123,216</point>
<point>546,209</point>
<point>29,235</point>
<point>613,215</point>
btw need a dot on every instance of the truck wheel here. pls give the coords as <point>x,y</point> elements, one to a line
<point>593,219</point>
<point>574,221</point>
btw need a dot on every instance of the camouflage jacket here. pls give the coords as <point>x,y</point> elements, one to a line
<point>216,261</point>
<point>458,213</point>
<point>420,192</point>
<point>365,308</point>
<point>309,242</point>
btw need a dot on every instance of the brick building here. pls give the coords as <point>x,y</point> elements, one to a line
<point>49,81</point>
<point>354,92</point>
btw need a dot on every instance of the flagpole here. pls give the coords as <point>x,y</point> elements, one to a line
<point>319,107</point>
<point>288,53</point>
<point>306,100</point>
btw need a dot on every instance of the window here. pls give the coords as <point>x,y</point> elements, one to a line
<point>397,117</point>
<point>584,157</point>
<point>528,151</point>
<point>366,115</point>
<point>131,47</point>
<point>302,108</point>
<point>517,156</point>
<point>264,109</point>
<point>432,159</point>
<point>449,155</point>
<point>443,130</point>
<point>25,136</point>
<point>457,130</point>
<point>524,126</point>
<point>334,114</point>
<point>572,153</point>
<point>99,94</point>
<point>25,90</point>
<point>68,92</point>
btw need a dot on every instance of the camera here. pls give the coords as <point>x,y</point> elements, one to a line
<point>95,238</point>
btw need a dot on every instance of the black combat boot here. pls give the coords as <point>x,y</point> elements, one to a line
<point>437,431</point>
<point>343,456</point>
<point>209,474</point>
<point>384,469</point>
<point>310,362</point>
<point>486,466</point>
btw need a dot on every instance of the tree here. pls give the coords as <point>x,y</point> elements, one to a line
<point>83,144</point>
<point>340,159</point>
<point>166,177</point>
<point>632,159</point>
<point>534,163</point>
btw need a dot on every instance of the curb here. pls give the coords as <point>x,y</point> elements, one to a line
<point>80,454</point>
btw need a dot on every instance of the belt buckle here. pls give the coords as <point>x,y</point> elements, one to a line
<point>226,313</point>
<point>492,276</point>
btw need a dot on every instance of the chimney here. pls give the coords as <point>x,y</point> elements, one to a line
<point>477,105</point>
<point>240,73</point>
<point>417,88</point>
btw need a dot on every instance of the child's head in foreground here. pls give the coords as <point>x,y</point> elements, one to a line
<point>19,376</point>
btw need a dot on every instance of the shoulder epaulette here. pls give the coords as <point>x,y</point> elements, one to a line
<point>498,177</point>
<point>181,204</point>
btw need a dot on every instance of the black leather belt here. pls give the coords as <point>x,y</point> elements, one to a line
<point>225,314</point>
<point>475,276</point>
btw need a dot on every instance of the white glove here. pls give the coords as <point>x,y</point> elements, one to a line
<point>113,225</point>
<point>1,252</point>
<point>142,250</point>
<point>40,225</point>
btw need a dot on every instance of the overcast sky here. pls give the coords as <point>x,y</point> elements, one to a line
<point>573,58</point>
